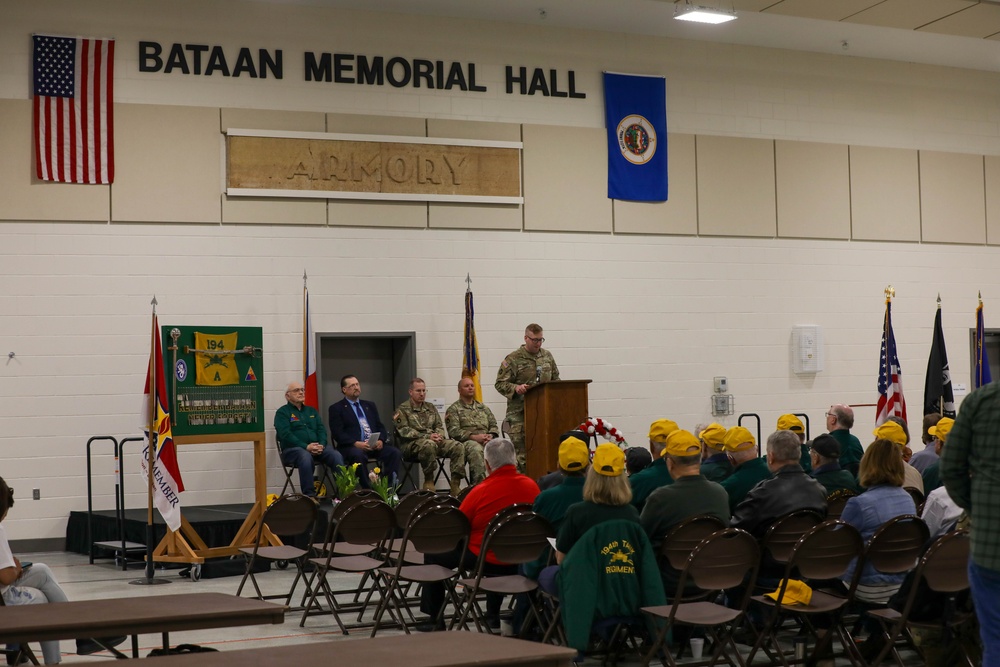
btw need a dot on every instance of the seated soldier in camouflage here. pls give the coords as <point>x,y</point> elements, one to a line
<point>473,424</point>
<point>421,436</point>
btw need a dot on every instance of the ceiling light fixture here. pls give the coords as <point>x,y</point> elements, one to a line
<point>685,11</point>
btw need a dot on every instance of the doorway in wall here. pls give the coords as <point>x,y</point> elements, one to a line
<point>991,341</point>
<point>384,364</point>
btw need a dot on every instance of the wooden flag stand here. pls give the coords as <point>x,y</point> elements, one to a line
<point>185,545</point>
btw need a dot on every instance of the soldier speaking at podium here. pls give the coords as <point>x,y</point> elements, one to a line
<point>522,368</point>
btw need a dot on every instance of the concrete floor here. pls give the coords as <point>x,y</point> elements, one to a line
<point>83,581</point>
<point>103,579</point>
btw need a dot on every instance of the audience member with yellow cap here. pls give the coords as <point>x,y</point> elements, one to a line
<point>792,423</point>
<point>940,511</point>
<point>925,457</point>
<point>716,466</point>
<point>606,497</point>
<point>790,488</point>
<point>839,421</point>
<point>748,468</point>
<point>646,481</point>
<point>690,495</point>
<point>574,459</point>
<point>932,476</point>
<point>892,431</point>
<point>556,477</point>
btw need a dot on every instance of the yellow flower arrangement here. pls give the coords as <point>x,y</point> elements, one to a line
<point>346,479</point>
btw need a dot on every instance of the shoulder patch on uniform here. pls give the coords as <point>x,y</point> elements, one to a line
<point>396,416</point>
<point>505,363</point>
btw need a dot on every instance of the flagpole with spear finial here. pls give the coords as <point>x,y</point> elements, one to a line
<point>151,442</point>
<point>305,326</point>
<point>941,397</point>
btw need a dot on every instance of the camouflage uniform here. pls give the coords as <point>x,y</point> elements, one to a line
<point>414,424</point>
<point>522,367</point>
<point>463,422</point>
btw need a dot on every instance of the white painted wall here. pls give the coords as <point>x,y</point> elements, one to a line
<point>650,319</point>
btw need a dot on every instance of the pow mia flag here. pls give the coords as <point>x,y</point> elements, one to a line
<point>938,395</point>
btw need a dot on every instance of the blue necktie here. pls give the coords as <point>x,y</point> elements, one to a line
<point>365,428</point>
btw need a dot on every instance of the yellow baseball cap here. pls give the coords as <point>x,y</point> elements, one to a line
<point>796,592</point>
<point>573,454</point>
<point>942,428</point>
<point>738,439</point>
<point>791,423</point>
<point>660,429</point>
<point>891,431</point>
<point>682,443</point>
<point>713,436</point>
<point>609,460</point>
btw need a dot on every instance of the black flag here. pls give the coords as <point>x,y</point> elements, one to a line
<point>937,385</point>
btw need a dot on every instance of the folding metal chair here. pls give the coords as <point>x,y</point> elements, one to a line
<point>837,501</point>
<point>410,462</point>
<point>520,537</point>
<point>918,497</point>
<point>289,515</point>
<point>943,570</point>
<point>724,560</point>
<point>825,552</point>
<point>683,538</point>
<point>368,522</point>
<point>895,548</point>
<point>325,475</point>
<point>437,529</point>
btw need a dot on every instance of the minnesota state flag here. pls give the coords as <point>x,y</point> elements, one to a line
<point>635,109</point>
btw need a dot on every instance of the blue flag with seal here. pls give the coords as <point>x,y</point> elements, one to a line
<point>635,111</point>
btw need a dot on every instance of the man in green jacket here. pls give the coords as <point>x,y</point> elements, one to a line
<point>302,437</point>
<point>646,481</point>
<point>839,420</point>
<point>716,466</point>
<point>749,468</point>
<point>825,452</point>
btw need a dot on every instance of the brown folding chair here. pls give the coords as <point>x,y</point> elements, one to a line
<point>895,548</point>
<point>726,559</point>
<point>518,538</point>
<point>14,655</point>
<point>682,539</point>
<point>782,536</point>
<point>438,529</point>
<point>837,501</point>
<point>368,523</point>
<point>943,569</point>
<point>825,552</point>
<point>918,497</point>
<point>288,515</point>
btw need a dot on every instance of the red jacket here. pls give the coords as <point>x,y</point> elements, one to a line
<point>502,488</point>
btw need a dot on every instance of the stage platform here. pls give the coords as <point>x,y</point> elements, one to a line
<point>216,524</point>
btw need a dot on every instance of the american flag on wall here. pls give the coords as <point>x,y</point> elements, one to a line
<point>73,82</point>
<point>890,376</point>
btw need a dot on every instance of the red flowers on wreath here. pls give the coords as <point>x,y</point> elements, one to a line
<point>598,426</point>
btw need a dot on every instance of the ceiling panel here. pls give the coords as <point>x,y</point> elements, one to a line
<point>909,14</point>
<point>821,9</point>
<point>980,20</point>
<point>748,5</point>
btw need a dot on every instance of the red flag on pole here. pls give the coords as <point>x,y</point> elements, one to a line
<point>167,482</point>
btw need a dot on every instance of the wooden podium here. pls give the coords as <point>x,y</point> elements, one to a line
<point>551,409</point>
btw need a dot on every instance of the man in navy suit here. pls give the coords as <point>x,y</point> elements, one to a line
<point>352,421</point>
